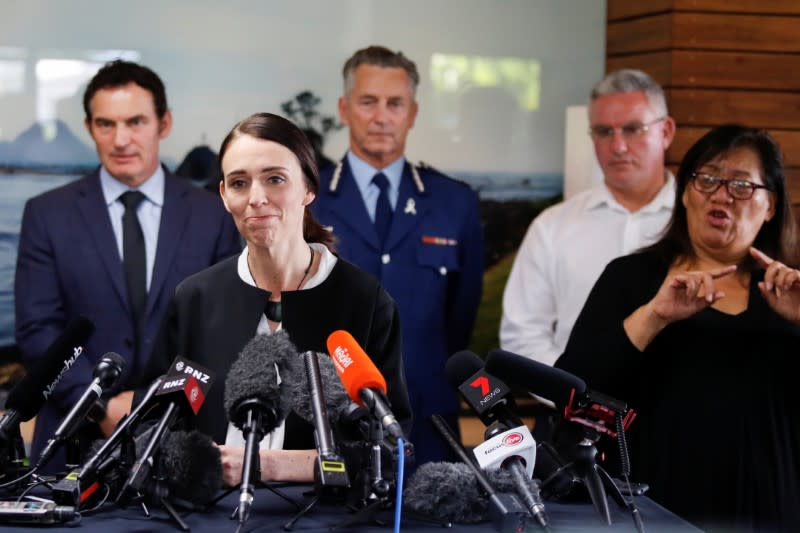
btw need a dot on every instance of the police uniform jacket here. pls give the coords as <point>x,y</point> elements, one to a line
<point>431,264</point>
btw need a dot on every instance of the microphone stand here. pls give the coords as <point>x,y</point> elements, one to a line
<point>374,488</point>
<point>593,476</point>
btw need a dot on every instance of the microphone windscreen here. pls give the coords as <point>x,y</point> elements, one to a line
<point>552,383</point>
<point>30,393</point>
<point>356,370</point>
<point>337,401</point>
<point>192,466</point>
<point>460,366</point>
<point>254,374</point>
<point>447,491</point>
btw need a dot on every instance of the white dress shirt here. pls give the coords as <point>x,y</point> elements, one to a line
<point>563,253</point>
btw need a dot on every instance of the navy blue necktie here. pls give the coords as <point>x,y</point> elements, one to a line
<point>133,256</point>
<point>383,209</point>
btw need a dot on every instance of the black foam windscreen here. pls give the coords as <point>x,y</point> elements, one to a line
<point>254,375</point>
<point>337,401</point>
<point>447,491</point>
<point>29,395</point>
<point>551,383</point>
<point>192,465</point>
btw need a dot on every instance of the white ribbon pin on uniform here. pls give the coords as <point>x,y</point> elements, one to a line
<point>411,207</point>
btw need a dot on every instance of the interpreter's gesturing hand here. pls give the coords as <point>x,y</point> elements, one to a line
<point>781,286</point>
<point>685,293</point>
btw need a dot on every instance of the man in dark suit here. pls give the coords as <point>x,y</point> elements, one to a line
<point>113,245</point>
<point>413,228</point>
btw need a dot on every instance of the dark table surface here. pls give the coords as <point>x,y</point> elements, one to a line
<point>270,512</point>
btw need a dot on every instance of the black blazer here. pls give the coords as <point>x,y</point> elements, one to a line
<point>214,314</point>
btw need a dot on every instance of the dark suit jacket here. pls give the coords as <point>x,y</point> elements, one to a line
<point>214,314</point>
<point>68,265</point>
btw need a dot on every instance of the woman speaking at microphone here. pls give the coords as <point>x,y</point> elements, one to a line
<point>700,333</point>
<point>286,278</point>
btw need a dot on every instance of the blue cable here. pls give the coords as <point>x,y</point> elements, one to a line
<point>398,502</point>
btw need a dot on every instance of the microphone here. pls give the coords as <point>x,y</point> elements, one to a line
<point>336,400</point>
<point>362,380</point>
<point>184,388</point>
<point>82,482</point>
<point>504,509</point>
<point>509,443</point>
<point>192,468</point>
<point>330,469</point>
<point>105,375</point>
<point>28,396</point>
<point>256,403</point>
<point>569,392</point>
<point>450,491</point>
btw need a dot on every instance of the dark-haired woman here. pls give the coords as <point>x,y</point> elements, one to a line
<point>700,334</point>
<point>286,278</point>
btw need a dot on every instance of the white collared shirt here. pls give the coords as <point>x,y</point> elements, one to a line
<point>274,439</point>
<point>563,253</point>
<point>148,212</point>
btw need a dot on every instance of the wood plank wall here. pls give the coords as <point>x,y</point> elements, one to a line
<point>719,61</point>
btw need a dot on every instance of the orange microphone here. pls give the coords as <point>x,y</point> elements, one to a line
<point>362,380</point>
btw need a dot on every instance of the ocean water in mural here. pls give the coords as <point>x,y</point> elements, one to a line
<point>17,188</point>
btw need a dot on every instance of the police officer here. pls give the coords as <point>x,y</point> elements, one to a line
<point>413,228</point>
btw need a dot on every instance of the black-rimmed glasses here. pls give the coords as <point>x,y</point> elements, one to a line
<point>739,189</point>
<point>631,130</point>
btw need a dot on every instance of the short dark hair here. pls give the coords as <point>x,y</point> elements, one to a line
<point>120,72</point>
<point>776,237</point>
<point>379,56</point>
<point>277,129</point>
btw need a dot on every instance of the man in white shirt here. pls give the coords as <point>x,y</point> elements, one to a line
<point>568,245</point>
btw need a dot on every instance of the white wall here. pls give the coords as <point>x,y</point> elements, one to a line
<point>222,61</point>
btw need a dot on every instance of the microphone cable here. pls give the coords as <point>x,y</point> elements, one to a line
<point>398,500</point>
<point>626,471</point>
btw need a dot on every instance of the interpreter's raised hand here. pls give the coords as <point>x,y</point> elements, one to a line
<point>685,293</point>
<point>781,286</point>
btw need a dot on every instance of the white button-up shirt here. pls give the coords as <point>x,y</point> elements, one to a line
<point>563,253</point>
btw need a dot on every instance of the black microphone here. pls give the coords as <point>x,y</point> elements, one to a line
<point>505,510</point>
<point>256,403</point>
<point>509,442</point>
<point>330,469</point>
<point>488,396</point>
<point>28,396</point>
<point>82,482</point>
<point>542,380</point>
<point>184,390</point>
<point>337,402</point>
<point>105,375</point>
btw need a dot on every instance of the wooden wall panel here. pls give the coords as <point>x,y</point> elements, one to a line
<point>754,108</point>
<point>685,137</point>
<point>622,9</point>
<point>639,35</point>
<point>747,33</point>
<point>657,64</point>
<point>768,7</point>
<point>735,70</point>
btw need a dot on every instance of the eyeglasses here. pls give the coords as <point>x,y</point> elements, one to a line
<point>739,189</point>
<point>629,131</point>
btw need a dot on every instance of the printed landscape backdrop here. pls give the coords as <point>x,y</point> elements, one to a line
<point>497,78</point>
